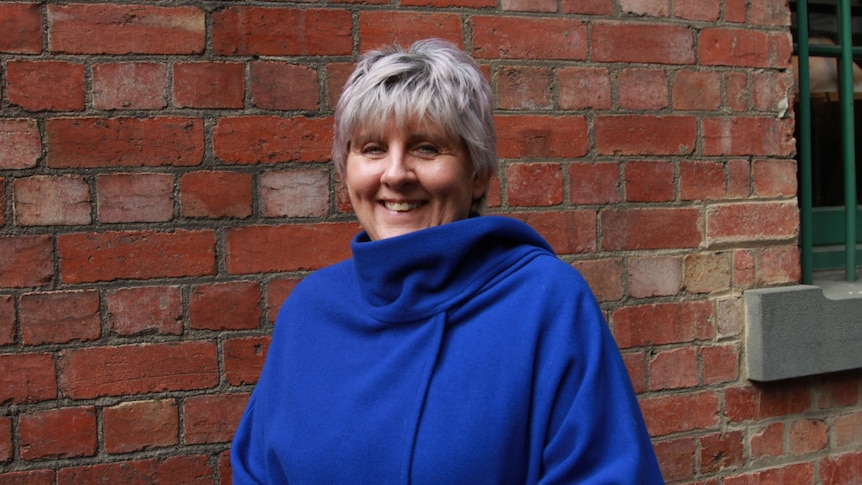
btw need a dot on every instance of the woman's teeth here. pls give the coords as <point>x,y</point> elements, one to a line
<point>401,206</point>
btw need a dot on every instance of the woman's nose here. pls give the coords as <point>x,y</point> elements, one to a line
<point>398,169</point>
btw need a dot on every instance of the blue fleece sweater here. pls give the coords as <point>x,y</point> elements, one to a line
<point>466,353</point>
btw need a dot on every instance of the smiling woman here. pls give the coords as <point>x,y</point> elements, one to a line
<point>452,347</point>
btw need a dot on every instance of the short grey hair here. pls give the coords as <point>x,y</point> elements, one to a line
<point>433,81</point>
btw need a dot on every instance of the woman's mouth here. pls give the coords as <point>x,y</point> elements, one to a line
<point>401,206</point>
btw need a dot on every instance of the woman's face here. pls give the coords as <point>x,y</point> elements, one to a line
<point>403,180</point>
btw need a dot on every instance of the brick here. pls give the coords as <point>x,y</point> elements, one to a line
<point>751,135</point>
<point>385,27</point>
<point>590,7</point>
<point>777,265</point>
<point>721,451</point>
<point>702,180</point>
<point>60,317</point>
<point>534,184</point>
<point>696,90</point>
<point>654,276</point>
<point>7,320</point>
<point>769,91</point>
<point>652,181</point>
<point>807,436</point>
<point>2,197</point>
<point>282,86</point>
<point>720,364</point>
<point>337,74</point>
<point>215,194</point>
<point>130,85</point>
<point>656,43</point>
<point>739,179</point>
<point>225,306</point>
<point>651,228</point>
<point>706,11</point>
<point>645,8</point>
<point>743,269</point>
<point>140,425</point>
<point>645,135</point>
<point>842,469</point>
<point>584,88</point>
<point>842,391</point>
<point>747,403</point>
<point>58,433</point>
<point>676,458</point>
<point>847,430</point>
<point>135,197</point>
<point>768,441</point>
<point>568,232</point>
<point>264,249</point>
<point>524,87</point>
<point>743,48</point>
<point>26,261</point>
<point>680,412</point>
<point>209,85</point>
<point>20,143</point>
<point>133,311</point>
<point>124,142</point>
<point>435,3</point>
<point>594,183</point>
<point>673,369</point>
<point>87,373</point>
<point>125,29</point>
<point>20,28</point>
<point>531,136</point>
<point>244,358</point>
<point>26,378</point>
<point>529,5</point>
<point>107,256</point>
<point>708,272</point>
<point>224,467</point>
<point>277,291</point>
<point>662,323</point>
<point>774,178</point>
<point>604,276</point>
<point>272,139</point>
<point>26,81</point>
<point>756,221</point>
<point>5,440</point>
<point>769,13</point>
<point>636,367</point>
<point>737,94</point>
<point>193,469</point>
<point>529,38</point>
<point>212,418</point>
<point>46,200</point>
<point>643,89</point>
<point>294,193</point>
<point>243,31</point>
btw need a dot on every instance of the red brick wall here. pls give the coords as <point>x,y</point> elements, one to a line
<point>165,184</point>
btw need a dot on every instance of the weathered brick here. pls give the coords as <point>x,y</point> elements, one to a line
<point>656,43</point>
<point>26,81</point>
<point>157,309</point>
<point>737,93</point>
<point>590,7</point>
<point>135,197</point>
<point>708,272</point>
<point>636,367</point>
<point>60,317</point>
<point>294,193</point>
<point>529,38</point>
<point>20,144</point>
<point>525,88</point>
<point>58,433</point>
<point>125,29</point>
<point>807,436</point>
<point>680,412</point>
<point>130,85</point>
<point>258,249</point>
<point>750,135</point>
<point>534,184</point>
<point>29,477</point>
<point>385,27</point>
<point>645,135</point>
<point>20,28</point>
<point>26,378</point>
<point>209,85</point>
<point>282,86</point>
<point>530,136</point>
<point>699,180</point>
<point>5,440</point>
<point>747,403</point>
<point>234,305</point>
<point>673,369</point>
<point>594,183</point>
<point>212,418</point>
<point>652,181</point>
<point>753,221</point>
<point>124,142</point>
<point>140,425</point>
<point>842,469</point>
<point>192,469</point>
<point>663,323</point>
<point>7,320</point>
<point>568,232</point>
<point>707,11</point>
<point>770,91</point>
<point>337,74</point>
<point>774,178</point>
<point>696,90</point>
<point>777,265</point>
<point>654,276</point>
<point>738,179</point>
<point>643,89</point>
<point>244,358</point>
<point>435,3</point>
<point>743,47</point>
<point>645,8</point>
<point>651,228</point>
<point>676,458</point>
<point>215,194</point>
<point>846,430</point>
<point>720,364</point>
<point>242,31</point>
<point>92,372</point>
<point>605,277</point>
<point>47,200</point>
<point>768,441</point>
<point>721,451</point>
<point>529,5</point>
<point>277,291</point>
<point>26,261</point>
<point>584,87</point>
<point>136,255</point>
<point>271,139</point>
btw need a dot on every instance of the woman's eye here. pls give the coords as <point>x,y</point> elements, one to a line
<point>372,149</point>
<point>427,150</point>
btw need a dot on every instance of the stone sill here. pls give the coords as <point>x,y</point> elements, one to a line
<point>803,330</point>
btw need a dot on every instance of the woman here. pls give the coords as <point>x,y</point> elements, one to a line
<point>452,348</point>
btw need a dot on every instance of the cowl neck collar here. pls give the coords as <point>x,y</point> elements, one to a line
<point>410,277</point>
